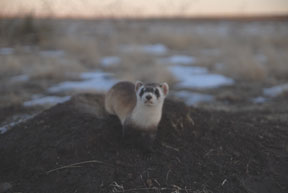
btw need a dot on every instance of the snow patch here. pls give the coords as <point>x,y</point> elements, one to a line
<point>275,90</point>
<point>198,77</point>
<point>17,120</point>
<point>179,59</point>
<point>259,100</point>
<point>47,100</point>
<point>156,49</point>
<point>188,70</point>
<point>20,78</point>
<point>91,81</point>
<point>4,129</point>
<point>193,98</point>
<point>110,61</point>
<point>6,51</point>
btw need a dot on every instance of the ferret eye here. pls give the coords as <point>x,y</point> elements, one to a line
<point>141,92</point>
<point>157,93</point>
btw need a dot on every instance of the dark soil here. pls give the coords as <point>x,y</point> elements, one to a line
<point>76,147</point>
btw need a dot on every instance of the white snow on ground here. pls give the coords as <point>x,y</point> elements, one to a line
<point>91,81</point>
<point>271,92</point>
<point>275,90</point>
<point>52,53</point>
<point>179,59</point>
<point>95,75</point>
<point>47,100</point>
<point>198,77</point>
<point>4,129</point>
<point>156,49</point>
<point>189,70</point>
<point>18,119</point>
<point>6,51</point>
<point>110,61</point>
<point>259,100</point>
<point>193,98</point>
<point>20,78</point>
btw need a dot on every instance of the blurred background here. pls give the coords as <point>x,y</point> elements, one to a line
<point>225,55</point>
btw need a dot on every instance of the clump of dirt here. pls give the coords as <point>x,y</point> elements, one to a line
<point>77,147</point>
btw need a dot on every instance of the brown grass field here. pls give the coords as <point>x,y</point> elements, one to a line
<point>248,51</point>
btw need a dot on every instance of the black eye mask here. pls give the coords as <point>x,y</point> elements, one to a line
<point>151,90</point>
<point>157,93</point>
<point>141,92</point>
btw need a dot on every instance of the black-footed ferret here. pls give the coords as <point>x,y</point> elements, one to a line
<point>139,108</point>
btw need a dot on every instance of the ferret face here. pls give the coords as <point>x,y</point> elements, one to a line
<point>151,94</point>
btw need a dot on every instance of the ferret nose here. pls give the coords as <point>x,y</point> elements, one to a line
<point>148,97</point>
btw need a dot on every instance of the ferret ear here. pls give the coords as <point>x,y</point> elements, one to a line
<point>138,84</point>
<point>165,88</point>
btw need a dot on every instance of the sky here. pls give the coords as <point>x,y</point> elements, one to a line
<point>143,8</point>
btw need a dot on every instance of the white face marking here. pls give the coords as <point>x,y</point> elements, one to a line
<point>148,110</point>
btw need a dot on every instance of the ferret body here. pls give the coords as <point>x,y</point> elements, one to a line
<point>138,106</point>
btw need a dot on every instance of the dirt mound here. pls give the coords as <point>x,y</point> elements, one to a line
<point>77,147</point>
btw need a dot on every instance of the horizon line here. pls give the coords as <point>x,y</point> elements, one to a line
<point>257,16</point>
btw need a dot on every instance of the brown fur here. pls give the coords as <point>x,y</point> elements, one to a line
<point>121,100</point>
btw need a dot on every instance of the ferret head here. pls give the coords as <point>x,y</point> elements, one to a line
<point>151,94</point>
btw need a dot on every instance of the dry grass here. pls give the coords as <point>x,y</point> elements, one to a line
<point>239,53</point>
<point>10,66</point>
<point>40,67</point>
<point>244,65</point>
<point>246,51</point>
<point>25,30</point>
<point>86,42</point>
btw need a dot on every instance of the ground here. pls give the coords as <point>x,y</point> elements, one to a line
<point>77,147</point>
